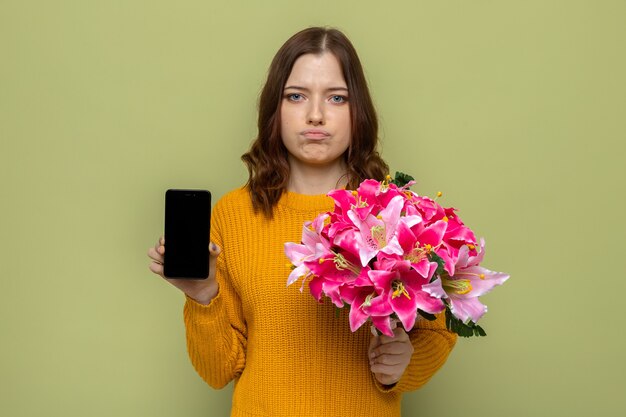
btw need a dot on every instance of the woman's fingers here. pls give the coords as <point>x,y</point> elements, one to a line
<point>386,374</point>
<point>390,349</point>
<point>396,345</point>
<point>201,290</point>
<point>384,369</point>
<point>154,255</point>
<point>214,250</point>
<point>156,267</point>
<point>390,357</point>
<point>391,354</point>
<point>160,246</point>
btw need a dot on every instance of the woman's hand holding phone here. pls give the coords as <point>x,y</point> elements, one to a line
<point>201,290</point>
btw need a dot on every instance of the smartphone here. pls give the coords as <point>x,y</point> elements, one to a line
<point>187,229</point>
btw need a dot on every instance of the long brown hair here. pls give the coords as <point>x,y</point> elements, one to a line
<point>267,162</point>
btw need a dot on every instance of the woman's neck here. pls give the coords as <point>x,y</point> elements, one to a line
<point>314,180</point>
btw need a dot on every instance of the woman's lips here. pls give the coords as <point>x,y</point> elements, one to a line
<point>315,134</point>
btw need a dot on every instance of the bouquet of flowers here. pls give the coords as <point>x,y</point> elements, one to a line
<point>391,255</point>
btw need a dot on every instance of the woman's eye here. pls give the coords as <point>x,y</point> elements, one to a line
<point>294,97</point>
<point>338,99</point>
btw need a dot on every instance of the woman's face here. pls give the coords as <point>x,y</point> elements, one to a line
<point>315,114</point>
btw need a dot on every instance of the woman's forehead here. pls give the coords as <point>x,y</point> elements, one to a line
<point>316,70</point>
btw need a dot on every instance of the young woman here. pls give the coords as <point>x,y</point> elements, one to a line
<point>288,354</point>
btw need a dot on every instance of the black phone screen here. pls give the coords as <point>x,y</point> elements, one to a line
<point>187,228</point>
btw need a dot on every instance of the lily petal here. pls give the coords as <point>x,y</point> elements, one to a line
<point>406,308</point>
<point>467,308</point>
<point>296,274</point>
<point>428,303</point>
<point>435,289</point>
<point>383,323</point>
<point>483,285</point>
<point>316,287</point>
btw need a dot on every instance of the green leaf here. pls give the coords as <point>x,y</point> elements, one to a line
<point>468,329</point>
<point>433,257</point>
<point>402,179</point>
<point>426,315</point>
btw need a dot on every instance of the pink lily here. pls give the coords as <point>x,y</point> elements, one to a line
<point>457,235</point>
<point>428,208</point>
<point>364,301</point>
<point>469,282</point>
<point>402,289</point>
<point>313,247</point>
<point>344,200</point>
<point>378,233</point>
<point>418,241</point>
<point>380,193</point>
<point>333,272</point>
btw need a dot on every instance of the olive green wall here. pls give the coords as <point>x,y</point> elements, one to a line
<point>514,109</point>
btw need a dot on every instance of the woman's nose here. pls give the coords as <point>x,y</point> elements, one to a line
<point>315,114</point>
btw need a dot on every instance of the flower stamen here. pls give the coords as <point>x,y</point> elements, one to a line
<point>481,276</point>
<point>384,185</point>
<point>458,286</point>
<point>398,290</point>
<point>379,235</point>
<point>368,300</point>
<point>341,263</point>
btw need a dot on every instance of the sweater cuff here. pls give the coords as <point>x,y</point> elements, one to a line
<point>204,313</point>
<point>382,387</point>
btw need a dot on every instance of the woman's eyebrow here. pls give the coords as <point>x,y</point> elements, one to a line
<point>296,87</point>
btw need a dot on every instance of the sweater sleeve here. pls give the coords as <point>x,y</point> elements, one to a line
<point>432,343</point>
<point>217,332</point>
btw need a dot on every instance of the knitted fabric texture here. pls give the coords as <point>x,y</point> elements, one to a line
<point>288,354</point>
